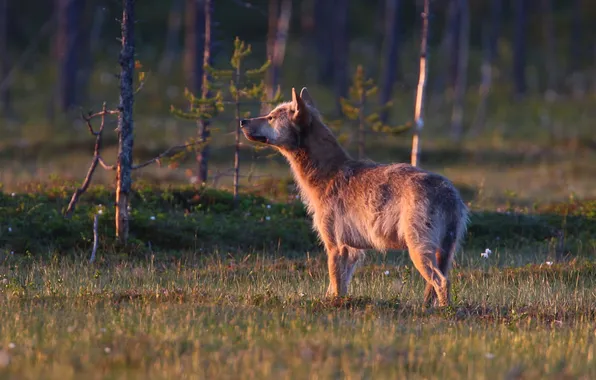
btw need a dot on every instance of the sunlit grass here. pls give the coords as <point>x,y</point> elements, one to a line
<point>260,316</point>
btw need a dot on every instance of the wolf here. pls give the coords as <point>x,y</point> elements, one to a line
<point>358,205</point>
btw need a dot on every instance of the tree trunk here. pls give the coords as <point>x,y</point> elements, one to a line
<point>278,50</point>
<point>193,44</point>
<point>324,40</point>
<point>460,86</point>
<point>237,137</point>
<point>307,25</point>
<point>68,18</point>
<point>5,106</point>
<point>361,125</point>
<point>125,121</point>
<point>419,108</point>
<point>575,44</point>
<point>204,132</point>
<point>171,48</point>
<point>390,67</point>
<point>453,28</point>
<point>490,40</point>
<point>519,48</point>
<point>549,42</point>
<point>341,50</point>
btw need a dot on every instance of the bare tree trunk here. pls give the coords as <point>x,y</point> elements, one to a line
<point>549,40</point>
<point>204,132</point>
<point>519,48</point>
<point>361,125</point>
<point>459,91</point>
<point>237,136</point>
<point>341,50</point>
<point>419,109</point>
<point>278,51</point>
<point>575,43</point>
<point>193,44</point>
<point>390,67</point>
<point>68,18</point>
<point>171,48</point>
<point>307,24</point>
<point>5,106</point>
<point>324,40</point>
<point>453,32</point>
<point>272,21</point>
<point>95,33</point>
<point>125,121</point>
<point>490,40</point>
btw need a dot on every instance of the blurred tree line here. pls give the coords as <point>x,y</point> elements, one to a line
<point>66,39</point>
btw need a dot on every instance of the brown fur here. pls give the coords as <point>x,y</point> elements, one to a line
<point>358,205</point>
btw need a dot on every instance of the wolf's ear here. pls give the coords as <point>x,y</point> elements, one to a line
<point>301,114</point>
<point>305,95</point>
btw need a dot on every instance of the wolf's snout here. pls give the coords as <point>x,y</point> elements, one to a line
<point>243,123</point>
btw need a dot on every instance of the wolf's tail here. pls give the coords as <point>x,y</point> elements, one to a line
<point>454,234</point>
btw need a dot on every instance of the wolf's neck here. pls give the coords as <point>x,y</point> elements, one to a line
<point>316,163</point>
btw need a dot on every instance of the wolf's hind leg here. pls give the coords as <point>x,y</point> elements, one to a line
<point>426,263</point>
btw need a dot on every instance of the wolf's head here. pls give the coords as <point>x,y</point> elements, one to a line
<point>286,125</point>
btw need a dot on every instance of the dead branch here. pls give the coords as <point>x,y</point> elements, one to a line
<point>164,154</point>
<point>96,159</point>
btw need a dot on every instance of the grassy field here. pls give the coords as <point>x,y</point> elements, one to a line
<point>259,315</point>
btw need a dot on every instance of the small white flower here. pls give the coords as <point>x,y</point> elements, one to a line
<point>12,346</point>
<point>152,217</point>
<point>107,350</point>
<point>268,206</point>
<point>267,218</point>
<point>100,211</point>
<point>12,252</point>
<point>549,263</point>
<point>9,229</point>
<point>128,208</point>
<point>301,294</point>
<point>489,356</point>
<point>12,194</point>
<point>486,253</point>
<point>5,281</point>
<point>386,273</point>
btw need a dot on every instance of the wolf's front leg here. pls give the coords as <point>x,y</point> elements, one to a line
<point>335,262</point>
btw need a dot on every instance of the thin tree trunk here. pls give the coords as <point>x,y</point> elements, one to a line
<point>490,40</point>
<point>575,43</point>
<point>204,132</point>
<point>419,108</point>
<point>278,51</point>
<point>519,48</point>
<point>324,40</point>
<point>361,125</point>
<point>125,121</point>
<point>193,49</point>
<point>459,92</point>
<point>68,18</point>
<point>95,33</point>
<point>390,67</point>
<point>341,50</point>
<point>549,41</point>
<point>5,106</point>
<point>272,21</point>
<point>453,28</point>
<point>307,25</point>
<point>237,136</point>
<point>171,48</point>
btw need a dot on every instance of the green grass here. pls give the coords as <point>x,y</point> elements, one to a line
<point>263,316</point>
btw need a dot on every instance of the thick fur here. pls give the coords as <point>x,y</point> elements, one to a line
<point>358,205</point>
